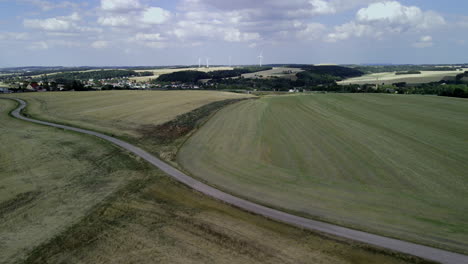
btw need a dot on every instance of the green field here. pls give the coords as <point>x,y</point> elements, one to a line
<point>70,198</point>
<point>121,113</point>
<point>389,164</point>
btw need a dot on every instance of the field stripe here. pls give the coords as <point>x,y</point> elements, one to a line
<point>421,251</point>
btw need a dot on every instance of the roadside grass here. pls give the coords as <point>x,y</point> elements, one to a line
<point>50,179</point>
<point>146,218</point>
<point>387,164</point>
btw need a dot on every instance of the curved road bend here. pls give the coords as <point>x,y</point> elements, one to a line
<point>421,251</point>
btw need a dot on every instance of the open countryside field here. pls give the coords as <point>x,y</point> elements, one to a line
<point>121,113</point>
<point>70,198</point>
<point>387,78</point>
<point>281,72</point>
<point>50,179</point>
<point>389,164</point>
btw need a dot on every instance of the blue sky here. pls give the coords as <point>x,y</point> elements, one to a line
<point>170,32</point>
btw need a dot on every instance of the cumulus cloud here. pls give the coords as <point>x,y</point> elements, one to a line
<point>389,17</point>
<point>120,5</point>
<point>47,5</point>
<point>115,21</point>
<point>322,7</point>
<point>424,42</point>
<point>148,37</point>
<point>234,35</point>
<point>394,13</point>
<point>64,23</point>
<point>155,15</point>
<point>311,31</point>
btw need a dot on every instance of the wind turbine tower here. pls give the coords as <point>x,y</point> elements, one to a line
<point>260,57</point>
<point>230,61</point>
<point>199,62</point>
<point>207,62</point>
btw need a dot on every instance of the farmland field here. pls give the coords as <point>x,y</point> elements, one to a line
<point>389,164</point>
<point>390,77</point>
<point>49,179</point>
<point>119,112</point>
<point>71,198</point>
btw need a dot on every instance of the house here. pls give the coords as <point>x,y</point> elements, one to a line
<point>4,90</point>
<point>34,86</point>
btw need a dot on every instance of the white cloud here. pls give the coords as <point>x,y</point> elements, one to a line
<point>148,37</point>
<point>311,31</point>
<point>120,5</point>
<point>115,21</point>
<point>40,45</point>
<point>234,35</point>
<point>14,36</point>
<point>322,7</point>
<point>394,13</point>
<point>388,17</point>
<point>353,29</point>
<point>100,44</point>
<point>155,15</point>
<point>64,23</point>
<point>46,5</point>
<point>49,24</point>
<point>426,39</point>
<point>424,42</point>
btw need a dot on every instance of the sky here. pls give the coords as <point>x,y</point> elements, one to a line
<point>180,32</point>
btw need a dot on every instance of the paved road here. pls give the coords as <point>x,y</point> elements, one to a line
<point>425,252</point>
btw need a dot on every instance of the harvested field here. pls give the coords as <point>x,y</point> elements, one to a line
<point>388,164</point>
<point>121,113</point>
<point>387,78</point>
<point>49,180</point>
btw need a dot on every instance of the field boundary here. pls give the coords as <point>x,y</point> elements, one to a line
<point>396,245</point>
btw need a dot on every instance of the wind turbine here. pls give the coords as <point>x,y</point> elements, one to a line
<point>199,62</point>
<point>207,62</point>
<point>260,57</point>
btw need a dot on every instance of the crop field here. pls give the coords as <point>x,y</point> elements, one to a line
<point>66,197</point>
<point>120,113</point>
<point>388,164</point>
<point>50,179</point>
<point>282,72</point>
<point>390,77</point>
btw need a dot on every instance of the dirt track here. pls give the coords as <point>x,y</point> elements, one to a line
<point>425,252</point>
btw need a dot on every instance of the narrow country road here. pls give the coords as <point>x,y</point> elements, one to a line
<point>424,252</point>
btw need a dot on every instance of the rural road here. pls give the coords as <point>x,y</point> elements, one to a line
<point>424,252</point>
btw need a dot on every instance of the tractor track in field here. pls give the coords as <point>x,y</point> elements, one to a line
<point>425,252</point>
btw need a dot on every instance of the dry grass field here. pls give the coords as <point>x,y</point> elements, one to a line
<point>390,77</point>
<point>389,164</point>
<point>69,198</point>
<point>121,113</point>
<point>49,180</point>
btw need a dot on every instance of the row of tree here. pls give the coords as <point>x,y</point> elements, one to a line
<point>195,76</point>
<point>97,75</point>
